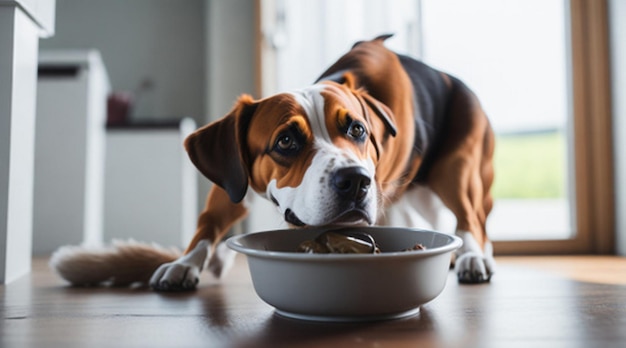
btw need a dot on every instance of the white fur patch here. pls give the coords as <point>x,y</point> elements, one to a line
<point>420,207</point>
<point>312,102</point>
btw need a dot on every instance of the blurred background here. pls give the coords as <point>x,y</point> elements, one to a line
<point>543,70</point>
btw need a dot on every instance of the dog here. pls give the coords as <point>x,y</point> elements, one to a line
<point>379,138</point>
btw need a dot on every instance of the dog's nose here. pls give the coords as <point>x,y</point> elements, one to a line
<point>351,183</point>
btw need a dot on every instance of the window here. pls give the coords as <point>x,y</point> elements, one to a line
<point>513,54</point>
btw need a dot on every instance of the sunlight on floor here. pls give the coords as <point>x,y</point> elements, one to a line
<point>589,269</point>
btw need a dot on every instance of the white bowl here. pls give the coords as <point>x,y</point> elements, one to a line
<point>347,287</point>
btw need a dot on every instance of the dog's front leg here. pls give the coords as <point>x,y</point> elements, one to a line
<point>216,219</point>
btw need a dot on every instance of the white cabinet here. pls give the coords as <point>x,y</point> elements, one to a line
<point>151,185</point>
<point>72,92</point>
<point>22,23</point>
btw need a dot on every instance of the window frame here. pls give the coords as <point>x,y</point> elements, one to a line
<point>594,214</point>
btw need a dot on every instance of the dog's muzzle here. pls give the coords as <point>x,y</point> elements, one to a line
<point>351,187</point>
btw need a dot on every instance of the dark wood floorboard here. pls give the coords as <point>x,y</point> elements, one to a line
<point>531,302</point>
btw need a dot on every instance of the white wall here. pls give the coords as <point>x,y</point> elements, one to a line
<point>161,40</point>
<point>617,13</point>
<point>230,52</point>
<point>230,49</point>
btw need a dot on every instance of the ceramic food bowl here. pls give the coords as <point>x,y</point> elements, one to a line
<point>347,287</point>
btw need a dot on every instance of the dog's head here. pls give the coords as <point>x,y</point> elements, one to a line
<point>313,152</point>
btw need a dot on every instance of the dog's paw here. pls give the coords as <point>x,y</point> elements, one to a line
<point>473,265</point>
<point>474,268</point>
<point>182,274</point>
<point>175,276</point>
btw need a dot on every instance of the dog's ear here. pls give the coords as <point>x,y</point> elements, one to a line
<point>382,111</point>
<point>216,149</point>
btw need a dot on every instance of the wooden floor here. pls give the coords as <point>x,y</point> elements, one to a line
<point>530,302</point>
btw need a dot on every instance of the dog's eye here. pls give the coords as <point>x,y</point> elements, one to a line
<point>286,144</point>
<point>357,131</point>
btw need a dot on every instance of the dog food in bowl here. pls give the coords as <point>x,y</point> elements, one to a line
<point>340,242</point>
<point>345,241</point>
<point>347,287</point>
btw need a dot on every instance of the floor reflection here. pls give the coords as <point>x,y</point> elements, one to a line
<point>279,331</point>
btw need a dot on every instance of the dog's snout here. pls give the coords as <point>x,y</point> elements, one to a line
<point>351,183</point>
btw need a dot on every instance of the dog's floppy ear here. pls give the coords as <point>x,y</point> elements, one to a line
<point>216,149</point>
<point>382,111</point>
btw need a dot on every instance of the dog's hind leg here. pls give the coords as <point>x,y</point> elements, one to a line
<point>462,193</point>
<point>218,216</point>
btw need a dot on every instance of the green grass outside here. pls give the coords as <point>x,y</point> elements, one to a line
<point>530,166</point>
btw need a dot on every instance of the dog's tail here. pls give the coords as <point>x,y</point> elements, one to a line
<point>123,263</point>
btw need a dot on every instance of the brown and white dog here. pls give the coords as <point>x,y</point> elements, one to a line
<point>380,138</point>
